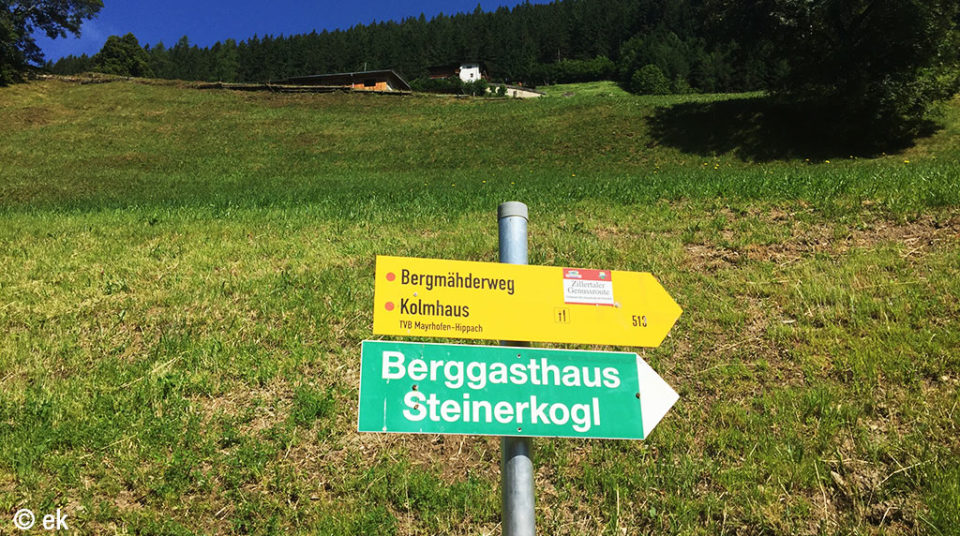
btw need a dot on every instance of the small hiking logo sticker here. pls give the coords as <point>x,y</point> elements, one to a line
<point>587,287</point>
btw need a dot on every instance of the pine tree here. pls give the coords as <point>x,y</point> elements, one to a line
<point>123,56</point>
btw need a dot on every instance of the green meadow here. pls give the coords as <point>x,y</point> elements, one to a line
<point>186,276</point>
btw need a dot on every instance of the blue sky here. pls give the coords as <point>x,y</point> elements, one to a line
<point>206,22</point>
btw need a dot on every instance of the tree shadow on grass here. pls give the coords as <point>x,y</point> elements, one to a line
<point>765,129</point>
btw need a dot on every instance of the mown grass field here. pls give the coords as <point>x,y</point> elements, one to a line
<point>186,276</point>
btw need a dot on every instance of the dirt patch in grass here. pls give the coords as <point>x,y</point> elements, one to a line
<point>127,501</point>
<point>710,259</point>
<point>7,483</point>
<point>852,488</point>
<point>454,457</point>
<point>915,238</point>
<point>259,409</point>
<point>31,117</point>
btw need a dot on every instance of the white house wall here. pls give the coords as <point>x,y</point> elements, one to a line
<point>469,72</point>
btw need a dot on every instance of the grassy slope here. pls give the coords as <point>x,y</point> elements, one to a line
<point>186,277</point>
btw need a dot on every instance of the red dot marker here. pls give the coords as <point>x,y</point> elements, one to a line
<point>388,306</point>
<point>391,276</point>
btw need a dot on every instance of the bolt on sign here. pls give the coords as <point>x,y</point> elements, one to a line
<point>409,387</point>
<point>495,301</point>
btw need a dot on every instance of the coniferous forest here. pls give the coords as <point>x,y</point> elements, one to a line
<point>648,45</point>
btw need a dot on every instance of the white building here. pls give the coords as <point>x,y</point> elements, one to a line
<point>465,71</point>
<point>470,72</point>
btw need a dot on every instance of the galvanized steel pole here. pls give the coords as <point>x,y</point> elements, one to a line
<point>516,453</point>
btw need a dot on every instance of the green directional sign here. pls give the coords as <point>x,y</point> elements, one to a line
<point>408,387</point>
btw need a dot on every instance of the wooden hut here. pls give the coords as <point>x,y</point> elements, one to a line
<point>381,80</point>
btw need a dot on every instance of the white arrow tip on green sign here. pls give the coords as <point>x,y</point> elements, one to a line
<point>658,396</point>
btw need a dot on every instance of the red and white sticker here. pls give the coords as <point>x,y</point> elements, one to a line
<point>590,287</point>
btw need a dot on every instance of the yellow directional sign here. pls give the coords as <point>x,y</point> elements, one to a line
<point>513,302</point>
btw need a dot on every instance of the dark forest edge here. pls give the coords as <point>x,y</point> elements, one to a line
<point>567,41</point>
<point>878,65</point>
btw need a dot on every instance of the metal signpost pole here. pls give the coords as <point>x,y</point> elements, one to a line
<point>516,461</point>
